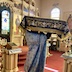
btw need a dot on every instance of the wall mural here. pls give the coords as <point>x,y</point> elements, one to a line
<point>26,9</point>
<point>16,20</point>
<point>33,4</point>
<point>12,0</point>
<point>27,1</point>
<point>19,6</point>
<point>32,12</point>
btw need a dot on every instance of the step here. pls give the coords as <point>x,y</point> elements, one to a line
<point>0,55</point>
<point>21,68</point>
<point>23,53</point>
<point>22,57</point>
<point>21,62</point>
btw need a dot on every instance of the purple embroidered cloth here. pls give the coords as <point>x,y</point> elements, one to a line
<point>37,50</point>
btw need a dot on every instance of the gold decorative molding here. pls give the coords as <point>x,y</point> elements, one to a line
<point>10,5</point>
<point>17,11</point>
<point>7,4</point>
<point>45,30</point>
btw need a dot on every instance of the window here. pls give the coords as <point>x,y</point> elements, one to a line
<point>55,14</point>
<point>5,22</point>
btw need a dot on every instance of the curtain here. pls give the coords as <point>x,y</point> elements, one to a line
<point>37,52</point>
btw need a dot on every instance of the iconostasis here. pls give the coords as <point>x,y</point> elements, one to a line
<point>65,42</point>
<point>18,9</point>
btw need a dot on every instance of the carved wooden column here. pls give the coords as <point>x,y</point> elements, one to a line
<point>3,60</point>
<point>69,65</point>
<point>67,62</point>
<point>65,65</point>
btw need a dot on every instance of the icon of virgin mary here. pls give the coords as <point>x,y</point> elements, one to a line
<point>17,22</point>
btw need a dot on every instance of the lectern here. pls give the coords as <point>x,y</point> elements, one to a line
<point>10,57</point>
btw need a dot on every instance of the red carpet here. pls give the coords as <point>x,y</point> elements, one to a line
<point>54,63</point>
<point>22,56</point>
